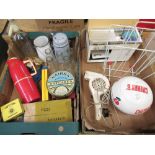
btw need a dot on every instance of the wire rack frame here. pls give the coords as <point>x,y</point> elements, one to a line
<point>144,60</point>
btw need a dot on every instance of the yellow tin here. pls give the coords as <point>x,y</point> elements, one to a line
<point>12,110</point>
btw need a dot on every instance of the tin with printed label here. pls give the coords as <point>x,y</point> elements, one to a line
<point>61,83</point>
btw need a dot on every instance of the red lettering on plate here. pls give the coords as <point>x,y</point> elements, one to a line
<point>128,87</point>
<point>140,111</point>
<point>133,87</point>
<point>146,90</point>
<point>137,88</point>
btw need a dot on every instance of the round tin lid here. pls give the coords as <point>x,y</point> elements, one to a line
<point>61,83</point>
<point>41,41</point>
<point>60,40</point>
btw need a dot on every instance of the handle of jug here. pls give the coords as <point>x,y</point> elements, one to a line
<point>29,61</point>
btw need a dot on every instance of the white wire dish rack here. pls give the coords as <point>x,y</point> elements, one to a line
<point>105,44</point>
<point>132,57</point>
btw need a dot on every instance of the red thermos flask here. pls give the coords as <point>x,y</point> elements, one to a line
<point>23,80</point>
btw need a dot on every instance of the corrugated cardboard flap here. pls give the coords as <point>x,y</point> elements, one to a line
<point>101,23</point>
<point>44,25</point>
<point>2,24</point>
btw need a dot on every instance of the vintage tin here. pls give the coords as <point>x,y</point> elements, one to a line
<point>61,83</point>
<point>12,110</point>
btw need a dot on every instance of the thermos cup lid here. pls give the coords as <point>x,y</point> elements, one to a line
<point>41,41</point>
<point>60,40</point>
<point>13,58</point>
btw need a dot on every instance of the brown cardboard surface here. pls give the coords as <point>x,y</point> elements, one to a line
<point>48,111</point>
<point>44,25</point>
<point>3,61</point>
<point>14,94</point>
<point>6,83</point>
<point>83,39</point>
<point>129,124</point>
<point>2,24</point>
<point>147,37</point>
<point>100,23</point>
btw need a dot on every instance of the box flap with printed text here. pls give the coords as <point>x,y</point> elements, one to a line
<point>44,25</point>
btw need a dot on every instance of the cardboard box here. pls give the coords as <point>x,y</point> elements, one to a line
<point>49,111</point>
<point>47,25</point>
<point>99,23</point>
<point>144,123</point>
<point>3,23</point>
<point>141,124</point>
<point>71,127</point>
